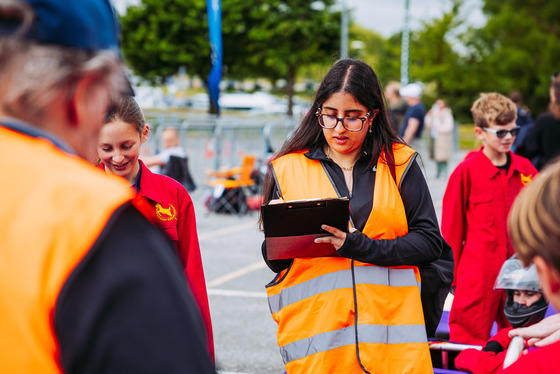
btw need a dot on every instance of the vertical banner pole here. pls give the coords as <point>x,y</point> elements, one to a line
<point>214,10</point>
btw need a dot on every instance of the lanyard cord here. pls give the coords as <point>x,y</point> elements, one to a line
<point>353,286</point>
<point>356,318</point>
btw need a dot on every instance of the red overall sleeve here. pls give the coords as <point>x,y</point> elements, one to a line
<point>543,361</point>
<point>189,251</point>
<point>482,362</point>
<point>453,222</point>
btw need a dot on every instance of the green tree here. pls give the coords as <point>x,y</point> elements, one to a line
<point>432,56</point>
<point>441,62</point>
<point>518,48</point>
<point>288,35</point>
<point>160,36</point>
<point>372,47</point>
<point>262,38</point>
<point>389,63</point>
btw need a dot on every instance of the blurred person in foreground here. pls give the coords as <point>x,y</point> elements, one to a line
<point>477,199</point>
<point>120,139</point>
<point>534,226</point>
<point>88,284</point>
<point>360,311</point>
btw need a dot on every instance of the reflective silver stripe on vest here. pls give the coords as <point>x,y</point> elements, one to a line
<point>342,279</point>
<point>346,336</point>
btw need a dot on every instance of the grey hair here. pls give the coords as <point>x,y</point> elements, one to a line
<point>34,76</point>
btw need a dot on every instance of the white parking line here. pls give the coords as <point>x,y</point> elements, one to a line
<point>218,292</point>
<point>236,274</point>
<point>226,230</point>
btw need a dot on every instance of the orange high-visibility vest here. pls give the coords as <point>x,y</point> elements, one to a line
<point>54,206</point>
<point>337,315</point>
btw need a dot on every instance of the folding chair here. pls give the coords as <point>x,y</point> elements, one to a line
<point>229,187</point>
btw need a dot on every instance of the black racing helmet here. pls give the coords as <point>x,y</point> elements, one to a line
<point>513,276</point>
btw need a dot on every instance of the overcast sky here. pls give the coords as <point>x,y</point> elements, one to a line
<point>386,16</point>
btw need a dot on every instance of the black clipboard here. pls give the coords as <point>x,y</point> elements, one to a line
<point>290,228</point>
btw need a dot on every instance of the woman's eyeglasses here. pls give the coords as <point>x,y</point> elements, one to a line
<point>328,121</point>
<point>503,133</point>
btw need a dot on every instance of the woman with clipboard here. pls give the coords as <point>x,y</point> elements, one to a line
<point>361,311</point>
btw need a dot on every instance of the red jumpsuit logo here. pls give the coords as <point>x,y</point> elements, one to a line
<point>525,179</point>
<point>166,214</point>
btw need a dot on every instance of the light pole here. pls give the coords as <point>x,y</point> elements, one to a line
<point>405,46</point>
<point>344,31</point>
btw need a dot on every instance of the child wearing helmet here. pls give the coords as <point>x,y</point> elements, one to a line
<point>525,305</point>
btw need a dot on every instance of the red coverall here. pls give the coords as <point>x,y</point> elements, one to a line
<point>175,215</point>
<point>474,216</point>
<point>485,362</point>
<point>540,361</point>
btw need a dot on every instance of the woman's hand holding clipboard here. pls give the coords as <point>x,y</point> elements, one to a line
<point>338,238</point>
<point>292,228</point>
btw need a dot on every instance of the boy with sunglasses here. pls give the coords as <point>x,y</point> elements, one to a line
<point>476,203</point>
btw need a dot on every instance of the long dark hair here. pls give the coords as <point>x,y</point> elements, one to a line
<point>358,79</point>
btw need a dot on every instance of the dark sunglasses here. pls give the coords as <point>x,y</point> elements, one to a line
<point>503,133</point>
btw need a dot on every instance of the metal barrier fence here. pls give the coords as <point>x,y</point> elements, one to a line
<point>215,142</point>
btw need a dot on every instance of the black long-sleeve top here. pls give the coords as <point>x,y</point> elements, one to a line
<point>544,140</point>
<point>127,307</point>
<point>423,243</point>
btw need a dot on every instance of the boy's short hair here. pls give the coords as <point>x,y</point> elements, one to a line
<point>493,108</point>
<point>534,219</point>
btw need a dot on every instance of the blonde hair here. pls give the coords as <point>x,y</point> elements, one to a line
<point>534,219</point>
<point>493,108</point>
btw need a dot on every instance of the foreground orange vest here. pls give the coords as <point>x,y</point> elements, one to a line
<point>323,305</point>
<point>54,206</point>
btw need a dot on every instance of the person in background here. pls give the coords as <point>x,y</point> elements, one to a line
<point>524,121</point>
<point>171,147</point>
<point>413,122</point>
<point>478,197</point>
<point>439,120</point>
<point>543,142</point>
<point>172,161</point>
<point>397,106</point>
<point>125,130</point>
<point>341,314</point>
<point>534,226</point>
<point>88,284</point>
<point>525,306</point>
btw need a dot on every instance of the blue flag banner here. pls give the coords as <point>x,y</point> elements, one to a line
<point>214,9</point>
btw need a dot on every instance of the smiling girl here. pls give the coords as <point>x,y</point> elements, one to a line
<point>125,130</point>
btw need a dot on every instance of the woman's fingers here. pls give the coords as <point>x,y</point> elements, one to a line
<point>336,240</point>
